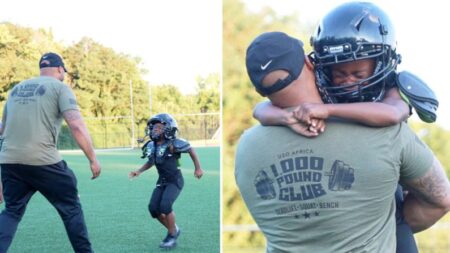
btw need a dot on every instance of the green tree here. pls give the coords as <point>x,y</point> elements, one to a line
<point>108,85</point>
<point>104,80</point>
<point>100,77</point>
<point>208,96</point>
<point>20,49</point>
<point>437,138</point>
<point>167,98</point>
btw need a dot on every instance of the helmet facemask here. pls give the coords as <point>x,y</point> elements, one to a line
<point>169,130</point>
<point>154,133</point>
<point>370,89</point>
<point>351,32</point>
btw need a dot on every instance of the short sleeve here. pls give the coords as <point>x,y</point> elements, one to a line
<point>67,99</point>
<point>416,156</point>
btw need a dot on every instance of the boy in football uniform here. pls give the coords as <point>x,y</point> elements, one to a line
<point>163,150</point>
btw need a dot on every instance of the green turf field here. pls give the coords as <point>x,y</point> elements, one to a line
<point>116,212</point>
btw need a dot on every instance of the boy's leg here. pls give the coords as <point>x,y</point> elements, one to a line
<point>171,225</point>
<point>153,206</point>
<point>59,185</point>
<point>171,192</point>
<point>16,193</point>
<point>163,220</point>
<point>155,211</point>
<point>405,237</point>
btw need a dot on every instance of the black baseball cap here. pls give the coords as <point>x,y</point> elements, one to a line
<point>274,51</point>
<point>51,60</point>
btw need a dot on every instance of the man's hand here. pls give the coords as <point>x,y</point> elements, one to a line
<point>198,173</point>
<point>95,168</point>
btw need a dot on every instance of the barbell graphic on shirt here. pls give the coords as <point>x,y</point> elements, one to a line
<point>264,185</point>
<point>341,177</point>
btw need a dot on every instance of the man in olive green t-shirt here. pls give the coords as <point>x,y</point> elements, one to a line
<point>29,159</point>
<point>335,192</point>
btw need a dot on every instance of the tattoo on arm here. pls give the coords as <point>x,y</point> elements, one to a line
<point>71,115</point>
<point>433,186</point>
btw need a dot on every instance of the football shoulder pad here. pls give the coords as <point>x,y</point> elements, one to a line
<point>417,94</point>
<point>148,150</point>
<point>181,145</point>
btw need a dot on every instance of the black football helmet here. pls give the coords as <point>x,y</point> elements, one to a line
<point>170,127</point>
<point>350,32</point>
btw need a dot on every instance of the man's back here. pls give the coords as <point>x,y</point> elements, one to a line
<point>34,116</point>
<point>333,193</point>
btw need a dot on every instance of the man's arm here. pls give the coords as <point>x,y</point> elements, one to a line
<point>80,133</point>
<point>428,198</point>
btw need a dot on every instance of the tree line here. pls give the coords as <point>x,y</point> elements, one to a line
<point>100,77</point>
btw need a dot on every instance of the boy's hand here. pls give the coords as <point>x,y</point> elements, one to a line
<point>317,126</point>
<point>133,174</point>
<point>303,129</point>
<point>307,111</point>
<point>198,173</point>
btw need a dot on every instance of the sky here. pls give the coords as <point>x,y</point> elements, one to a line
<point>177,40</point>
<point>422,37</point>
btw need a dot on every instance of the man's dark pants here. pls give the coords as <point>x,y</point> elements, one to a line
<point>57,184</point>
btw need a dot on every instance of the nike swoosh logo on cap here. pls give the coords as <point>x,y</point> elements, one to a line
<point>263,67</point>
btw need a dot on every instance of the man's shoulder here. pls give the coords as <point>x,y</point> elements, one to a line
<point>44,80</point>
<point>343,125</point>
<point>28,81</point>
<point>373,136</point>
<point>259,130</point>
<point>51,81</point>
<point>336,129</point>
<point>262,136</point>
<point>40,82</point>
